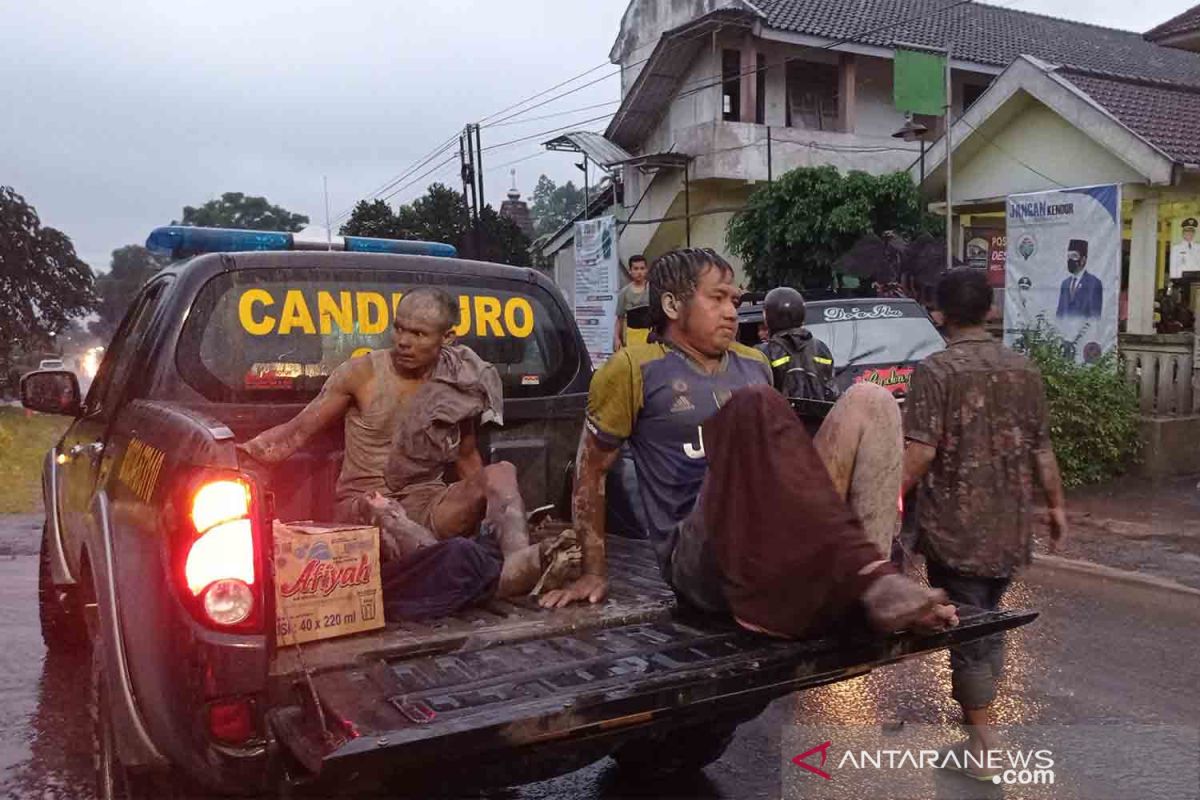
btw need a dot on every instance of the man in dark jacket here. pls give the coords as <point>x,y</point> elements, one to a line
<point>801,364</point>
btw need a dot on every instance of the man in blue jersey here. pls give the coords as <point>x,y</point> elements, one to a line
<point>744,515</point>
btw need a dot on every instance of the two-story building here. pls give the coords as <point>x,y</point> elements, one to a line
<point>718,96</point>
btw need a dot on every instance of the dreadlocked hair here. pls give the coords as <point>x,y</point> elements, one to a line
<point>677,273</point>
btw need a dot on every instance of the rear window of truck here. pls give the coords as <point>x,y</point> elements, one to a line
<point>275,335</point>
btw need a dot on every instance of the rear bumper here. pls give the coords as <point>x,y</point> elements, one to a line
<point>571,694</point>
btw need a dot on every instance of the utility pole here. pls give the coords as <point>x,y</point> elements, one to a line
<point>481,199</point>
<point>770,173</point>
<point>470,175</point>
<point>949,165</point>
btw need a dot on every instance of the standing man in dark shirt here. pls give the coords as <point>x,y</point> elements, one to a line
<point>743,513</point>
<point>978,438</point>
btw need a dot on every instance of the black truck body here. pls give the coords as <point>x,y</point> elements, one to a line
<point>203,361</point>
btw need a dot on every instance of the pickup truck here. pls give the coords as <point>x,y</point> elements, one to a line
<point>166,586</point>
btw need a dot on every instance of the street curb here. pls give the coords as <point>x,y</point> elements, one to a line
<point>1112,573</point>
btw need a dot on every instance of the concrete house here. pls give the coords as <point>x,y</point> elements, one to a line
<point>718,96</point>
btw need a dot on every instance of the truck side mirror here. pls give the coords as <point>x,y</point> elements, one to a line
<point>51,391</point>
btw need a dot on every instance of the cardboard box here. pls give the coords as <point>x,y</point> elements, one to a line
<point>326,581</point>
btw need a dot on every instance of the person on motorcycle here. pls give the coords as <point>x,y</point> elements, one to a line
<point>801,364</point>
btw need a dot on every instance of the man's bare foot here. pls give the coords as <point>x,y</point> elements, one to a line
<point>894,603</point>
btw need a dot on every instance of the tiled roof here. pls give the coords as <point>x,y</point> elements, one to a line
<point>1187,22</point>
<point>1167,118</point>
<point>986,34</point>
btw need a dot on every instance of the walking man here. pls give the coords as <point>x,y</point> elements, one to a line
<point>978,437</point>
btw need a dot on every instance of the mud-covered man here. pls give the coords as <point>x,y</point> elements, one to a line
<point>743,511</point>
<point>421,478</point>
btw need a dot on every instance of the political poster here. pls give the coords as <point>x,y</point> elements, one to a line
<point>987,249</point>
<point>597,281</point>
<point>1063,270</point>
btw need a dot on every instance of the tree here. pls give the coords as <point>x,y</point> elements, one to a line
<point>553,206</point>
<point>792,231</point>
<point>372,219</point>
<point>236,210</point>
<point>440,215</point>
<point>132,265</point>
<point>43,284</point>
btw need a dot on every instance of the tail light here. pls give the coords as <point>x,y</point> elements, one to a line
<point>219,553</point>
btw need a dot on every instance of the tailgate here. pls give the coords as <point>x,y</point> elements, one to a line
<point>414,712</point>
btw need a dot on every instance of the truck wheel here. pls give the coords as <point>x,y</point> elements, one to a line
<point>675,751</point>
<point>113,780</point>
<point>62,625</point>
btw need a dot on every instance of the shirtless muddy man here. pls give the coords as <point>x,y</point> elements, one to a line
<point>412,415</point>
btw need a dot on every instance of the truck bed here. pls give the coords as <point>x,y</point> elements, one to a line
<point>637,594</point>
<point>530,682</point>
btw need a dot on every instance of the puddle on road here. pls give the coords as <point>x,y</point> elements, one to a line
<point>45,749</point>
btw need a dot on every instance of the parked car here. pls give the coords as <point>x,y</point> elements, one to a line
<point>139,556</point>
<point>877,340</point>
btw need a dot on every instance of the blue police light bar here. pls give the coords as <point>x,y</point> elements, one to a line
<point>184,241</point>
<point>363,244</point>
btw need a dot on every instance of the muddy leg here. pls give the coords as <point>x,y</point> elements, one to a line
<point>399,536</point>
<point>505,509</point>
<point>490,495</point>
<point>862,446</point>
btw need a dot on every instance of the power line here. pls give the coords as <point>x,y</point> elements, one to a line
<point>551,116</point>
<point>519,103</point>
<point>529,157</point>
<point>545,133</point>
<point>402,176</point>
<point>420,177</point>
<point>620,70</point>
<point>557,97</point>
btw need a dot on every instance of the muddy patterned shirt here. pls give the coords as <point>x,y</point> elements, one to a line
<point>983,407</point>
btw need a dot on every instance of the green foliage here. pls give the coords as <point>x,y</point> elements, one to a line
<point>43,284</point>
<point>24,442</point>
<point>372,219</point>
<point>793,230</point>
<point>1093,411</point>
<point>132,265</point>
<point>553,206</point>
<point>236,210</point>
<point>440,215</point>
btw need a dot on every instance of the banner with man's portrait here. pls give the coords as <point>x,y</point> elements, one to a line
<point>1063,270</point>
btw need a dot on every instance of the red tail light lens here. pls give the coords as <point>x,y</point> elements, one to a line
<point>231,721</point>
<point>220,558</point>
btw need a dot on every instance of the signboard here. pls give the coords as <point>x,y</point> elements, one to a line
<point>1063,267</point>
<point>919,82</point>
<point>597,281</point>
<point>986,249</point>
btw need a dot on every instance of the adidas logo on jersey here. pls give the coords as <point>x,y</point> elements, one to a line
<point>682,405</point>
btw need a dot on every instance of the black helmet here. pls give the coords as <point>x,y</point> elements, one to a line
<point>783,309</point>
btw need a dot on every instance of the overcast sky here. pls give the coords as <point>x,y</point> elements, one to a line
<point>114,116</point>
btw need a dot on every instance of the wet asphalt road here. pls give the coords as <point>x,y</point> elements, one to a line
<point>1103,651</point>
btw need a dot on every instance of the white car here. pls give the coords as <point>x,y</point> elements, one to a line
<point>51,363</point>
